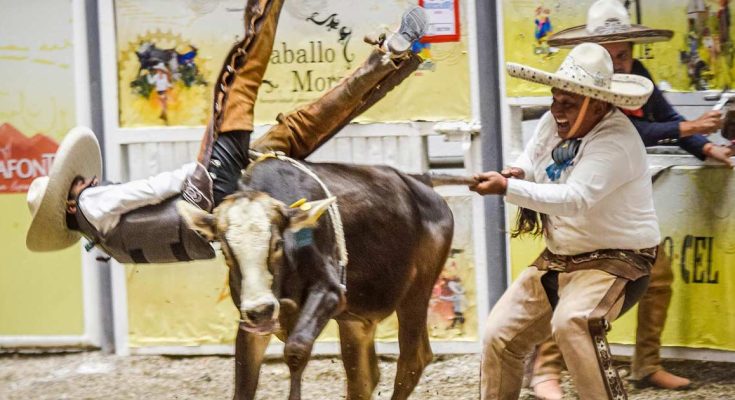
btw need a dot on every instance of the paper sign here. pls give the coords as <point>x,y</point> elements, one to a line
<point>443,20</point>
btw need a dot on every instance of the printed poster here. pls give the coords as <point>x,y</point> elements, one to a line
<point>444,20</point>
<point>170,53</point>
<point>40,293</point>
<point>698,57</point>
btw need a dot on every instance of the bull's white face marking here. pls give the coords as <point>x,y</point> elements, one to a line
<point>248,237</point>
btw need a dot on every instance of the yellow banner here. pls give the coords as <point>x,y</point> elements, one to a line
<point>170,52</point>
<point>40,294</point>
<point>698,57</point>
<point>696,213</point>
<point>188,304</point>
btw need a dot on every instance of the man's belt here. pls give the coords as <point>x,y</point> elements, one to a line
<point>628,264</point>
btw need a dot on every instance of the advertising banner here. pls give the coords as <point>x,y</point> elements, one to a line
<point>170,52</point>
<point>698,57</point>
<point>40,294</point>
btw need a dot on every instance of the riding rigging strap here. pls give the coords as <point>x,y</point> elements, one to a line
<point>333,209</point>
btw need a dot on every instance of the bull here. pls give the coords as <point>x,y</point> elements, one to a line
<point>285,275</point>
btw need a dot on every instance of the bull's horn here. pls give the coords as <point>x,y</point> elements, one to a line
<point>307,215</point>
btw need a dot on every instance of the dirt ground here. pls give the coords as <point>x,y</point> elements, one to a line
<point>92,375</point>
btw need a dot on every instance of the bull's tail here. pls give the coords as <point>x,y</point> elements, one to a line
<point>433,179</point>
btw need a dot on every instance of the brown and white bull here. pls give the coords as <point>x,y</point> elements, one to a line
<point>284,273</point>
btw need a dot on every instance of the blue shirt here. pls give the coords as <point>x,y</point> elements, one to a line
<point>660,122</point>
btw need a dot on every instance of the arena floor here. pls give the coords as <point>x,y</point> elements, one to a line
<point>92,375</point>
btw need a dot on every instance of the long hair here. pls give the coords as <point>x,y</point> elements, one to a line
<point>529,222</point>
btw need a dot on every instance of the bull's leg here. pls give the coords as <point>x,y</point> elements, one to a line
<point>249,351</point>
<point>319,307</point>
<point>358,355</point>
<point>413,340</point>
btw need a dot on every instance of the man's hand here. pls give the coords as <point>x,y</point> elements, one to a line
<point>709,122</point>
<point>490,182</point>
<point>719,153</point>
<point>513,172</point>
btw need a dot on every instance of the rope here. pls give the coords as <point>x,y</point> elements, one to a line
<point>333,210</point>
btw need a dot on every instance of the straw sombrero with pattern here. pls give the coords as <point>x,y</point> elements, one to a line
<point>588,71</point>
<point>608,22</point>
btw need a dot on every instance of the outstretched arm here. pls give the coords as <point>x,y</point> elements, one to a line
<point>601,171</point>
<point>105,203</point>
<point>668,126</point>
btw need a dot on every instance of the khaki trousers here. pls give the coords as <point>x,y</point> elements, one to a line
<point>652,310</point>
<point>523,317</point>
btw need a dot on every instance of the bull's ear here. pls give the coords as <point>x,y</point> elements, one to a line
<point>307,215</point>
<point>197,219</point>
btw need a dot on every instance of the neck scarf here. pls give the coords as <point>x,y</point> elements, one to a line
<point>563,156</point>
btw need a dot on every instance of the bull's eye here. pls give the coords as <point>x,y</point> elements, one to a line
<point>279,245</point>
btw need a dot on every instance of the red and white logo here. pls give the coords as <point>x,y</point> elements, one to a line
<point>23,159</point>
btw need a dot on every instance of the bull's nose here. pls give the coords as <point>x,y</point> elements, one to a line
<point>261,313</point>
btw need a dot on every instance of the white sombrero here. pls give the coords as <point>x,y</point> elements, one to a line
<point>608,22</point>
<point>78,155</point>
<point>588,70</point>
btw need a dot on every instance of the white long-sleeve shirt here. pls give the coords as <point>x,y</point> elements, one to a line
<point>103,205</point>
<point>603,201</point>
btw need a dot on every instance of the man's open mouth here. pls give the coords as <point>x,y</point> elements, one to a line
<point>562,124</point>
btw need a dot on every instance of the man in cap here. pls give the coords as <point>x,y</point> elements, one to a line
<point>138,221</point>
<point>582,181</point>
<point>608,24</point>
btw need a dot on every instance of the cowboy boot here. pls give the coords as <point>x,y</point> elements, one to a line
<point>652,310</point>
<point>414,24</point>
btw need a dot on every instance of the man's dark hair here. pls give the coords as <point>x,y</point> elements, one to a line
<point>71,219</point>
<point>529,222</point>
<point>74,182</point>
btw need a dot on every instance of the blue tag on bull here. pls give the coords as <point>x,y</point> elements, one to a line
<point>304,237</point>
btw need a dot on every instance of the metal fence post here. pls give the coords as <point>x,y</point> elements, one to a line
<point>97,124</point>
<point>488,56</point>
